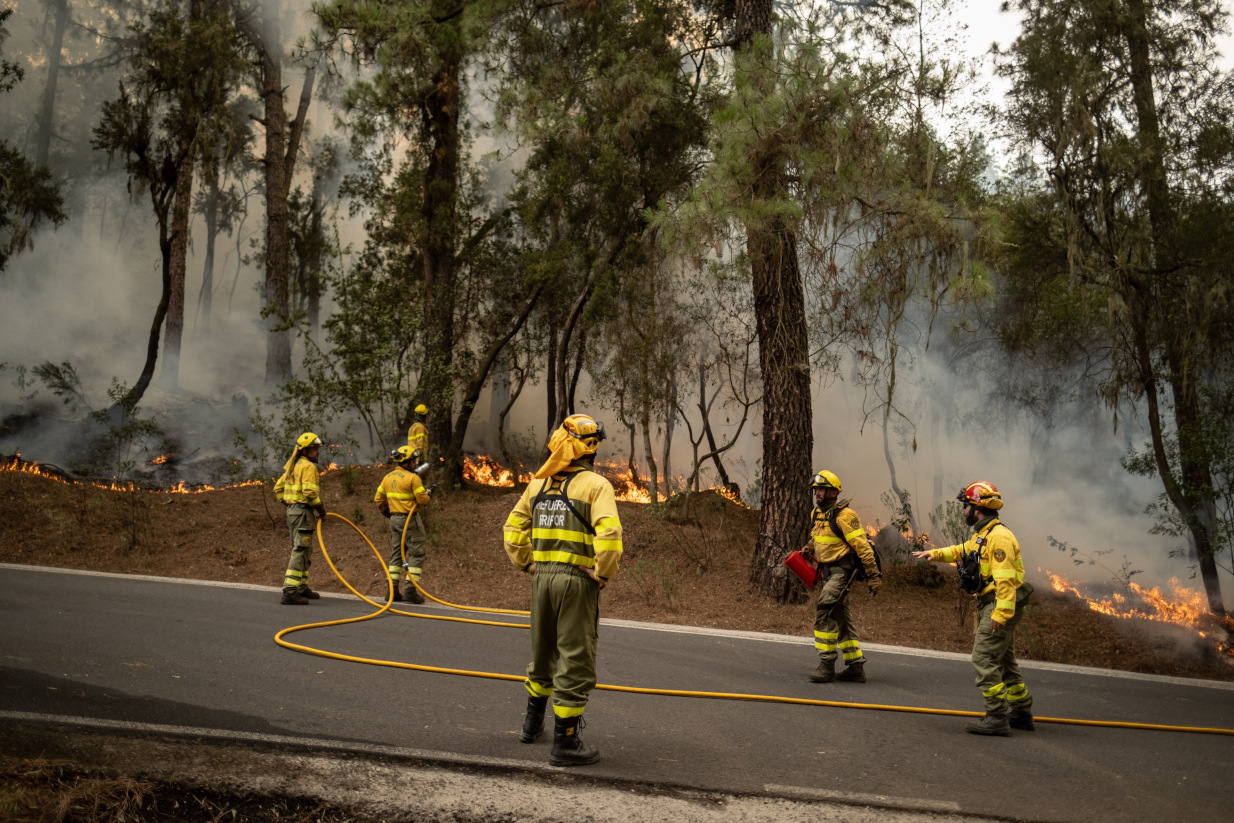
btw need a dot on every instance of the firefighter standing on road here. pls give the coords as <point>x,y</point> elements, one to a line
<point>399,498</point>
<point>417,435</point>
<point>997,581</point>
<point>840,547</point>
<point>299,489</point>
<point>565,531</point>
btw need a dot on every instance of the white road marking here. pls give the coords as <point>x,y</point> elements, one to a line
<point>1038,665</point>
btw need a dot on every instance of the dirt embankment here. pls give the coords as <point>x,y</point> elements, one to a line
<point>684,563</point>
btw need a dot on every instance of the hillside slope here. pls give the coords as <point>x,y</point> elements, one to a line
<point>684,563</point>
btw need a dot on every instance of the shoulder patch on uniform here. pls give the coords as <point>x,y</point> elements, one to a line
<point>1000,555</point>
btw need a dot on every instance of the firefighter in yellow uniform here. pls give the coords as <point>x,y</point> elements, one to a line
<point>992,570</point>
<point>399,498</point>
<point>565,531</point>
<point>299,489</point>
<point>841,548</point>
<point>417,435</point>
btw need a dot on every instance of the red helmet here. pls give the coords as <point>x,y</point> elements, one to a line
<point>981,494</point>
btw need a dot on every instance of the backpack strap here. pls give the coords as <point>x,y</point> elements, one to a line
<point>565,497</point>
<point>833,520</point>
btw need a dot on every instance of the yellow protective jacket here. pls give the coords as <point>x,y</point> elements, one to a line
<point>400,492</point>
<point>542,528</point>
<point>301,484</point>
<point>828,547</point>
<point>417,438</point>
<point>1000,564</point>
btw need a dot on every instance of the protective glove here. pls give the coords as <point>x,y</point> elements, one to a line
<point>321,510</point>
<point>875,583</point>
<point>995,626</point>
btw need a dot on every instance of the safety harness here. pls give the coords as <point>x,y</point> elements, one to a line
<point>848,559</point>
<point>969,566</point>
<point>547,490</point>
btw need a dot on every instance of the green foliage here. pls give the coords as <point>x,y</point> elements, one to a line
<point>347,478</point>
<point>901,507</point>
<point>948,521</point>
<point>28,195</point>
<point>62,379</point>
<point>1121,112</point>
<point>127,432</point>
<point>655,580</point>
<point>1122,575</point>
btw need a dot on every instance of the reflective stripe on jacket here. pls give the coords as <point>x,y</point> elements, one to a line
<point>546,530</point>
<point>830,547</point>
<point>417,438</point>
<point>403,492</point>
<point>1000,563</point>
<point>301,485</point>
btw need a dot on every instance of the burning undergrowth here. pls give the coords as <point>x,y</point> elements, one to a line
<point>1177,606</point>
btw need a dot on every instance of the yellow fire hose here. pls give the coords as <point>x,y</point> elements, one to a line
<point>386,607</point>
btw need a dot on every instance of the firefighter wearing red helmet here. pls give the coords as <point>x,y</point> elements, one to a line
<point>992,570</point>
<point>565,531</point>
<point>841,549</point>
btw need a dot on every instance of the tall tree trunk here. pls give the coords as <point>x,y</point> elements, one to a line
<point>47,116</point>
<point>1195,500</point>
<point>313,259</point>
<point>670,416</point>
<point>278,308</point>
<point>178,263</point>
<point>122,409</point>
<point>779,309</point>
<point>440,111</point>
<point>206,295</point>
<point>282,145</point>
<point>550,386</point>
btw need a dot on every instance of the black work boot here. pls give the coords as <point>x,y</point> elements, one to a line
<point>825,673</point>
<point>568,749</point>
<point>993,724</point>
<point>413,593</point>
<point>853,673</point>
<point>397,597</point>
<point>308,593</point>
<point>533,722</point>
<point>293,599</point>
<point>1021,719</point>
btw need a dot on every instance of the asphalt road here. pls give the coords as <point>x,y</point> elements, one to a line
<point>199,655</point>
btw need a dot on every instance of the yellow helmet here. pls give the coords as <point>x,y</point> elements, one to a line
<point>404,454</point>
<point>307,439</point>
<point>421,409</point>
<point>981,494</point>
<point>583,428</point>
<point>826,480</point>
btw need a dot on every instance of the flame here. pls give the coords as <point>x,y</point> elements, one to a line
<point>25,467</point>
<point>1183,607</point>
<point>627,487</point>
<point>161,459</point>
<point>484,469</point>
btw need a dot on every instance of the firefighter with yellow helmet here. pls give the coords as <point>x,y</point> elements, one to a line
<point>992,570</point>
<point>399,498</point>
<point>842,550</point>
<point>299,489</point>
<point>565,531</point>
<point>417,435</point>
